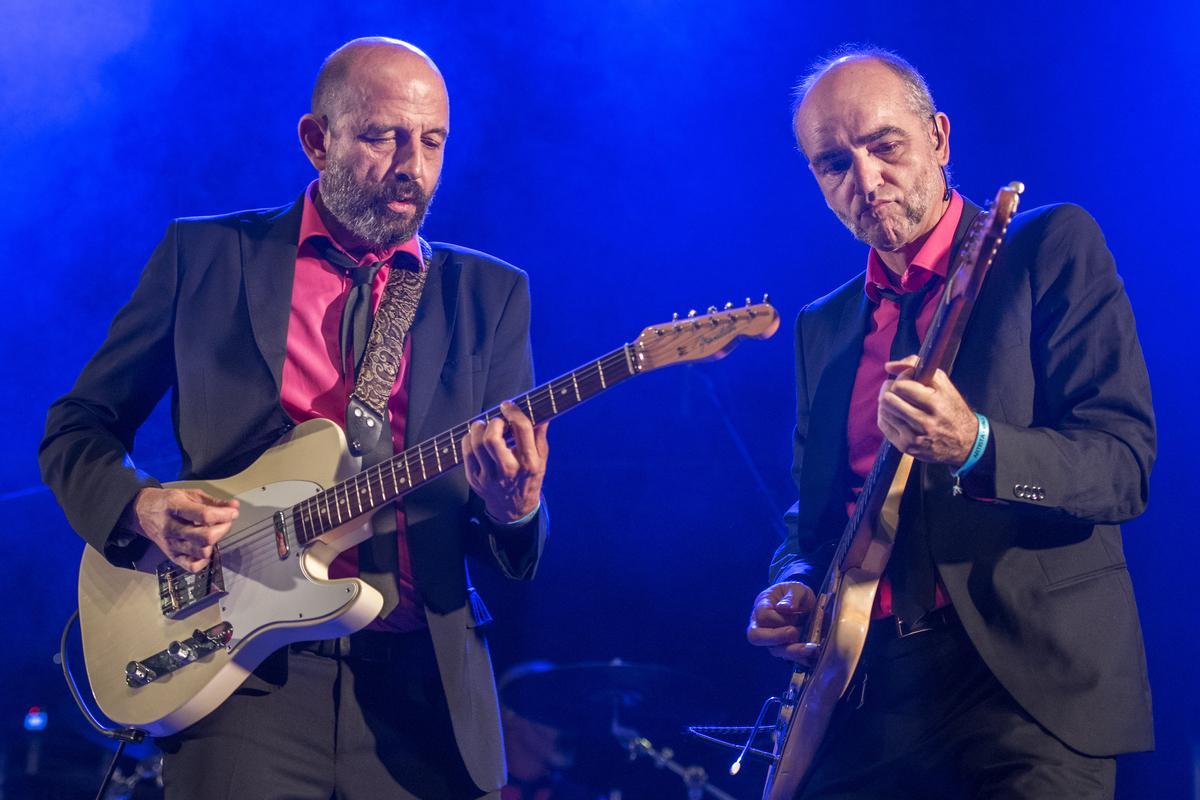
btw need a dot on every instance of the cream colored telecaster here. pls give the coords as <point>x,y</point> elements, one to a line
<point>164,647</point>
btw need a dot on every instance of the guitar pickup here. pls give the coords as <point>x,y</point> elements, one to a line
<point>180,591</point>
<point>178,654</point>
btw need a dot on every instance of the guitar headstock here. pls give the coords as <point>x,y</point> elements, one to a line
<point>982,241</point>
<point>704,337</point>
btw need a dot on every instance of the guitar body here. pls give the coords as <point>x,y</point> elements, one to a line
<point>268,601</point>
<point>840,626</point>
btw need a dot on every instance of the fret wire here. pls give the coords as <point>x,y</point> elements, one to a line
<point>421,461</point>
<point>328,514</point>
<point>575,383</point>
<point>553,405</point>
<point>437,455</point>
<point>529,407</point>
<point>407,471</point>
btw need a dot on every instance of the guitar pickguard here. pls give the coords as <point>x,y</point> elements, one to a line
<point>262,589</point>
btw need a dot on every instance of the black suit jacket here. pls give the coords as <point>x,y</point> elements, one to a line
<point>1037,574</point>
<point>208,321</point>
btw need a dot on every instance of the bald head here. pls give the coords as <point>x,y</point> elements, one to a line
<point>911,83</point>
<point>353,65</point>
<point>877,149</point>
<point>376,134</point>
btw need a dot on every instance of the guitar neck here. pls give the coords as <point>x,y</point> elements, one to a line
<point>417,465</point>
<point>938,351</point>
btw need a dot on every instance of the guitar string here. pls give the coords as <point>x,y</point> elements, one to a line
<point>427,450</point>
<point>976,230</point>
<point>245,540</point>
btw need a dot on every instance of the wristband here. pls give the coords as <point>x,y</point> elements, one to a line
<point>981,440</point>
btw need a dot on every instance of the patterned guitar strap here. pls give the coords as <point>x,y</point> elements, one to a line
<point>366,413</point>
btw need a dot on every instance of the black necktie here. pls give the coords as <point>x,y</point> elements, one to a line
<point>377,556</point>
<point>911,570</point>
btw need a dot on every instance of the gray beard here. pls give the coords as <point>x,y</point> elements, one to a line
<point>363,210</point>
<point>914,211</point>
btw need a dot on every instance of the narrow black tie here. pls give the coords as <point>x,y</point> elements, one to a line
<point>378,560</point>
<point>911,570</point>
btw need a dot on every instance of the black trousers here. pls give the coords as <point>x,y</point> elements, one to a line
<point>925,718</point>
<point>329,720</point>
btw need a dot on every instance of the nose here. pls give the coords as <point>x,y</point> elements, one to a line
<point>409,160</point>
<point>867,176</point>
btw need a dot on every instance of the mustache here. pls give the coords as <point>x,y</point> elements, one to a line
<point>407,191</point>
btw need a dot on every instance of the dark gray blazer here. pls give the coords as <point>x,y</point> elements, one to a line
<point>208,321</point>
<point>1038,577</point>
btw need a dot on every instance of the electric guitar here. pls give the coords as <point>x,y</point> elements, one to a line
<point>839,621</point>
<point>164,647</point>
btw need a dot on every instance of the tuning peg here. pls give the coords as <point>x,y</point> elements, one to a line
<point>692,313</point>
<point>675,317</point>
<point>766,297</point>
<point>712,309</point>
<point>728,306</point>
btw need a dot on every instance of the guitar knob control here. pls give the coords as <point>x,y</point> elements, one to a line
<point>181,652</point>
<point>138,674</point>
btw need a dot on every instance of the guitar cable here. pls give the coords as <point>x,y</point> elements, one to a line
<point>123,736</point>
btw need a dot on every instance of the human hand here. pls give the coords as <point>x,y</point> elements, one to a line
<point>184,524</point>
<point>775,621</point>
<point>509,479</point>
<point>930,423</point>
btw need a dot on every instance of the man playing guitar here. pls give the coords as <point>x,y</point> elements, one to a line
<point>1004,656</point>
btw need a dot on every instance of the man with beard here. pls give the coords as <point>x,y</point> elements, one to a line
<point>1004,659</point>
<point>259,320</point>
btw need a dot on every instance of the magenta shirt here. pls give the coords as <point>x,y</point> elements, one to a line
<point>931,263</point>
<point>314,384</point>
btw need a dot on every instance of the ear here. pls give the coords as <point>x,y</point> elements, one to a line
<point>941,132</point>
<point>314,139</point>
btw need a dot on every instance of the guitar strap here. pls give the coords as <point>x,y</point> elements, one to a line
<point>366,412</point>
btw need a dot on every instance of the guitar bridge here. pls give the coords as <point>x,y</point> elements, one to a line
<point>181,592</point>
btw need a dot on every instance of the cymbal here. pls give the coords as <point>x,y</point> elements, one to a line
<point>585,696</point>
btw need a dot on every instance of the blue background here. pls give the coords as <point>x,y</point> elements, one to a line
<point>636,158</point>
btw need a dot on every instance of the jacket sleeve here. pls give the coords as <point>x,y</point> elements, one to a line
<point>514,550</point>
<point>789,563</point>
<point>1090,453</point>
<point>85,456</point>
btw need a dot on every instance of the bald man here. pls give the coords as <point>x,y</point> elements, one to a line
<point>1005,657</point>
<point>258,320</point>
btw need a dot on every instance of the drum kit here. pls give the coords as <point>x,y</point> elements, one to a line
<point>579,729</point>
<point>602,711</point>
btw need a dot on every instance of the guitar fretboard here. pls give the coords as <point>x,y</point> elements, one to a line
<point>417,465</point>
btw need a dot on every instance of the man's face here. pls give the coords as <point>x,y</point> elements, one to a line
<point>385,148</point>
<point>877,161</point>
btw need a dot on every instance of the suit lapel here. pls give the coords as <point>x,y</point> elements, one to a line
<point>268,270</point>
<point>430,334</point>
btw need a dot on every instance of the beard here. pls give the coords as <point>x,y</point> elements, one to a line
<point>363,209</point>
<point>890,233</point>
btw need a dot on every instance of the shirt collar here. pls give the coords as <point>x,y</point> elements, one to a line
<point>311,225</point>
<point>933,259</point>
